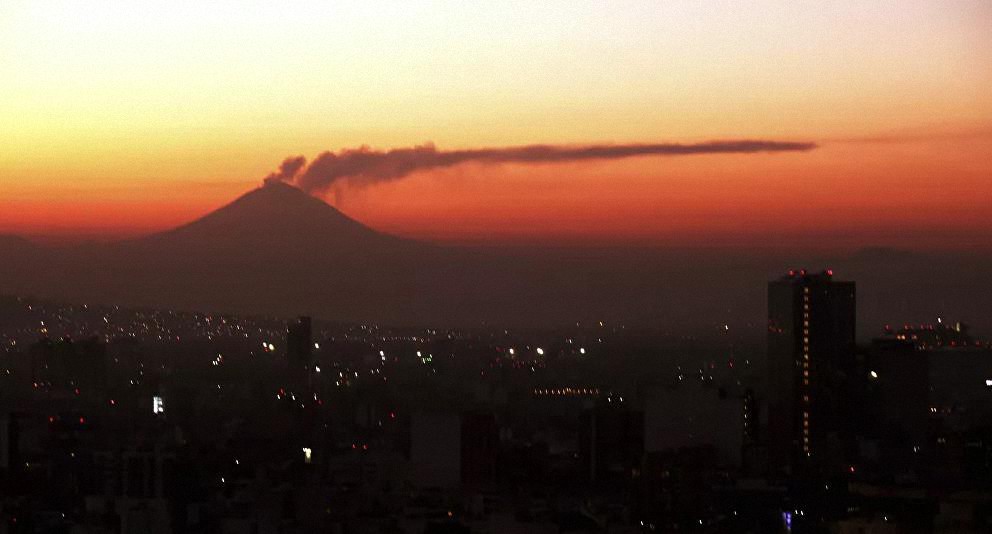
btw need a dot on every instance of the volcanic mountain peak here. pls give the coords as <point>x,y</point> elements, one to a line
<point>273,203</point>
<point>277,212</point>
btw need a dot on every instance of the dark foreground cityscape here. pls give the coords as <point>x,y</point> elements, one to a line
<point>132,421</point>
<point>505,267</point>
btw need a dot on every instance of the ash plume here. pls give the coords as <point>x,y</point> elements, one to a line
<point>287,169</point>
<point>365,166</point>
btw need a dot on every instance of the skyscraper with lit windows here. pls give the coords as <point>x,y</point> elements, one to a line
<point>811,359</point>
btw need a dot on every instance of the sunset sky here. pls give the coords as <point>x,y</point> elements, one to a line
<point>118,118</point>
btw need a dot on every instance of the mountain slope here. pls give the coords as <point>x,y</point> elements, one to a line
<point>276,250</point>
<point>276,216</point>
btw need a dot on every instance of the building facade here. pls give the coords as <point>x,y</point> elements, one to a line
<point>812,364</point>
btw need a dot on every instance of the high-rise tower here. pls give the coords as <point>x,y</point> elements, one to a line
<point>811,359</point>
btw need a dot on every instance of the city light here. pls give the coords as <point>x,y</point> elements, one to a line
<point>707,396</point>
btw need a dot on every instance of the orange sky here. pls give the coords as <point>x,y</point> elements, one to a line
<point>124,120</point>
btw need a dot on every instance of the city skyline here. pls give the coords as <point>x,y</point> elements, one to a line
<point>437,267</point>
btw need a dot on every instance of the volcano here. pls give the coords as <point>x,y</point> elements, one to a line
<point>279,251</point>
<point>274,250</point>
<point>278,217</point>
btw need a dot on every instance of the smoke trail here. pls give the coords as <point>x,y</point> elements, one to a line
<point>287,169</point>
<point>365,166</point>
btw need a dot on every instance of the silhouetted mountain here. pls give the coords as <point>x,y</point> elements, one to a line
<point>273,250</point>
<point>277,250</point>
<point>274,215</point>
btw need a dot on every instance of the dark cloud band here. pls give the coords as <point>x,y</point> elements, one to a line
<point>365,166</point>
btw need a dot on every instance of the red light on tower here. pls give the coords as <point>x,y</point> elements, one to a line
<point>830,272</point>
